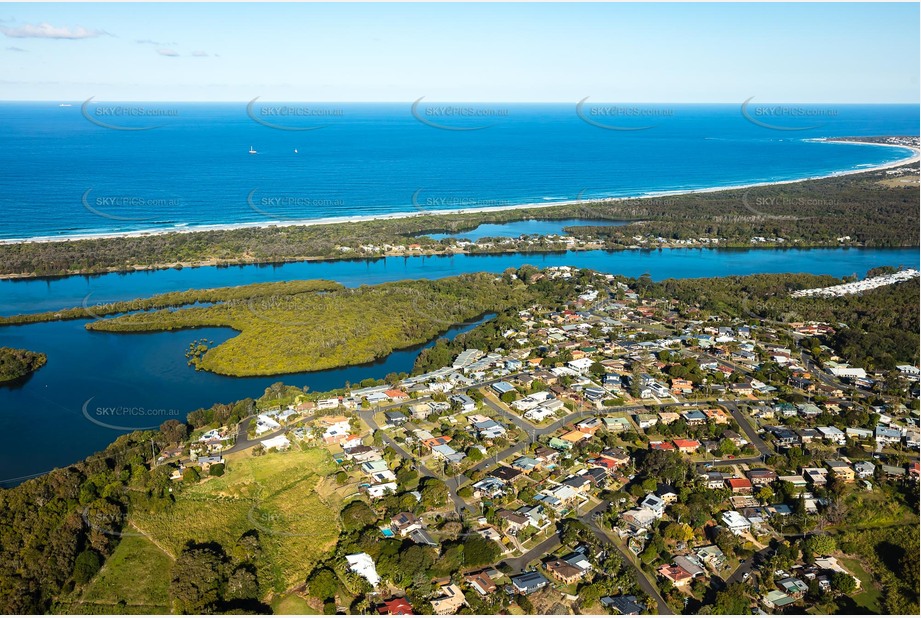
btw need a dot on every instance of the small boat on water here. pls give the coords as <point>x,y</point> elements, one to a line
<point>64,105</point>
<point>252,150</point>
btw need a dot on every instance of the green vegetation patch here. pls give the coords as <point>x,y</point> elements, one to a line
<point>136,574</point>
<point>282,497</point>
<point>308,332</point>
<point>16,363</point>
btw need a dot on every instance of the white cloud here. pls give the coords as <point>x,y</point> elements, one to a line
<point>47,31</point>
<point>15,49</point>
<point>168,52</point>
<point>200,54</point>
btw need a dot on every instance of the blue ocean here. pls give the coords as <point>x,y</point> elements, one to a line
<point>94,168</point>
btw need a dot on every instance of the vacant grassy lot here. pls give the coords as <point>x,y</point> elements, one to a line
<point>284,496</point>
<point>136,574</point>
<point>869,595</point>
<point>292,605</point>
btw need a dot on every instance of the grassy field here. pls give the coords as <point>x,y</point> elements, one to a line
<point>869,595</point>
<point>284,496</point>
<point>876,508</point>
<point>292,605</point>
<point>137,574</point>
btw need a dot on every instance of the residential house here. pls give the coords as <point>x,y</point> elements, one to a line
<point>775,599</point>
<point>624,605</point>
<point>489,487</point>
<point>463,403</point>
<point>397,606</point>
<point>363,565</point>
<point>617,424</point>
<point>528,582</point>
<point>840,470</point>
<point>481,582</point>
<point>405,523</point>
<point>714,480</point>
<point>563,571</point>
<point>639,519</point>
<point>686,446</point>
<point>690,564</point>
<point>887,435</point>
<point>512,521</point>
<point>506,473</point>
<point>735,522</point>
<point>739,486</point>
<point>761,477</point>
<point>395,417</point>
<point>449,600</point>
<point>793,586</point>
<point>833,435</point>
<point>381,489</point>
<point>675,574</point>
<point>712,556</point>
<point>864,469</point>
<point>655,504</point>
<point>489,429</point>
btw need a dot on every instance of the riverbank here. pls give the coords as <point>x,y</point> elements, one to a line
<point>423,211</point>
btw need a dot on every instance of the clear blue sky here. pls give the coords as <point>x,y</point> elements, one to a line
<point>677,53</point>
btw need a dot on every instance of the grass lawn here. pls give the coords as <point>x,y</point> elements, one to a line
<point>292,605</point>
<point>869,595</point>
<point>284,496</point>
<point>137,573</point>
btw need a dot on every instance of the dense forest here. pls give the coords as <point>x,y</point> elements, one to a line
<point>289,333</point>
<point>47,544</point>
<point>16,363</point>
<point>860,209</point>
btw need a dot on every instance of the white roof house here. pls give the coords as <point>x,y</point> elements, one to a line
<point>363,564</point>
<point>736,522</point>
<point>581,364</point>
<point>279,442</point>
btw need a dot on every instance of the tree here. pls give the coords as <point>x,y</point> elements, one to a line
<point>191,475</point>
<point>679,532</point>
<point>174,432</point>
<point>765,495</point>
<point>434,492</point>
<point>821,544</point>
<point>216,470</point>
<point>356,515</point>
<point>479,551</point>
<point>323,584</point>
<point>196,579</point>
<point>733,600</point>
<point>86,566</point>
<point>843,582</point>
<point>242,585</point>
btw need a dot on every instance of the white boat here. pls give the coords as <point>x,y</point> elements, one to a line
<point>295,151</point>
<point>64,105</point>
<point>252,151</point>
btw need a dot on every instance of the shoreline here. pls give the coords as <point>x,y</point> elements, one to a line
<point>187,229</point>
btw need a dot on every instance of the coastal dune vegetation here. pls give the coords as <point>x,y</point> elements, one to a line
<point>854,210</point>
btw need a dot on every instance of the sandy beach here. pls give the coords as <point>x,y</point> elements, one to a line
<point>188,229</point>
